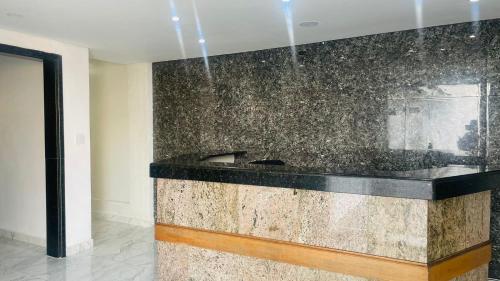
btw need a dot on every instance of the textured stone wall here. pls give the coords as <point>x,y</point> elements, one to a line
<point>374,101</point>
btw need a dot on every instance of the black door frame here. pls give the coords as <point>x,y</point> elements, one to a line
<point>54,145</point>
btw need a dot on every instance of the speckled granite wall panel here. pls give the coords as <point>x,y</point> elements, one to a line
<point>495,240</point>
<point>334,220</point>
<point>458,223</point>
<point>477,223</point>
<point>211,206</point>
<point>374,101</point>
<point>447,227</point>
<point>407,229</point>
<point>397,228</point>
<point>392,227</point>
<point>178,262</point>
<point>494,156</point>
<point>268,212</point>
<point>494,130</point>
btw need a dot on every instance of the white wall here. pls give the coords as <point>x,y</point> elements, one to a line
<point>22,150</point>
<point>75,61</point>
<point>121,141</point>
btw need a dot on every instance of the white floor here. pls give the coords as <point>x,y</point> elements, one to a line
<point>121,252</point>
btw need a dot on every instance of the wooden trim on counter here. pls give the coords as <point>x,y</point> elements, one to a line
<point>460,263</point>
<point>344,262</point>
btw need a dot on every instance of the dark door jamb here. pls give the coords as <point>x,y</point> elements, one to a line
<point>54,145</point>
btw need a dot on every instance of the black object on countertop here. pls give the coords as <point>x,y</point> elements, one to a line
<point>426,184</point>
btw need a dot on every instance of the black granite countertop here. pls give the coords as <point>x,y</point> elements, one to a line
<point>428,184</point>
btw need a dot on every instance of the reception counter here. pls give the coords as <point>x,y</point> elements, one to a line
<point>244,221</point>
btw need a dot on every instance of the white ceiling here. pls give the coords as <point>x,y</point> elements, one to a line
<point>128,31</point>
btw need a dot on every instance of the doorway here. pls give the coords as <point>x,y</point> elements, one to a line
<point>54,145</point>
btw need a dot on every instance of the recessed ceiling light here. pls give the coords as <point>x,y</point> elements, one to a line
<point>14,15</point>
<point>472,36</point>
<point>309,23</point>
<point>176,18</point>
<point>474,0</point>
<point>286,1</point>
<point>442,49</point>
<point>201,41</point>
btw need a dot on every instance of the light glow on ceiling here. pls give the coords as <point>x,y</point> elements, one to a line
<point>178,28</point>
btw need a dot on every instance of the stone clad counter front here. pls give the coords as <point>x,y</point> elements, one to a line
<point>418,234</point>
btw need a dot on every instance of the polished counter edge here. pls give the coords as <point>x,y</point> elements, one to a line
<point>437,188</point>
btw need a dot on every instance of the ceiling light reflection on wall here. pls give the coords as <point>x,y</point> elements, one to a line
<point>474,0</point>
<point>176,18</point>
<point>288,13</point>
<point>201,41</point>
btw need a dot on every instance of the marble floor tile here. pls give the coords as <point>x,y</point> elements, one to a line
<point>121,252</point>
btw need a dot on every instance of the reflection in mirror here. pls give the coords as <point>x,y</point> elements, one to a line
<point>442,119</point>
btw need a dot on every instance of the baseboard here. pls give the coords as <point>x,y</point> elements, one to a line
<point>80,247</point>
<point>122,219</point>
<point>23,238</point>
